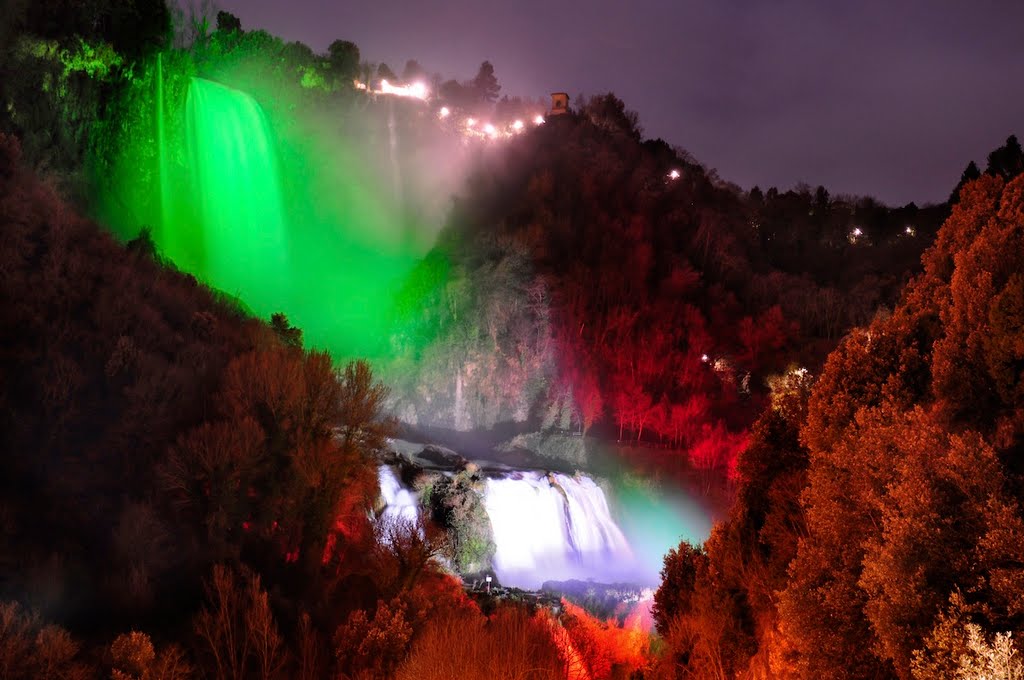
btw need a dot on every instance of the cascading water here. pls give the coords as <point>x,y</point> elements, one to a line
<point>396,173</point>
<point>399,502</point>
<point>161,143</point>
<point>555,527</point>
<point>240,245</point>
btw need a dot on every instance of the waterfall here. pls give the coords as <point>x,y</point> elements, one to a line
<point>400,503</point>
<point>555,527</point>
<point>162,167</point>
<point>396,173</point>
<point>240,244</point>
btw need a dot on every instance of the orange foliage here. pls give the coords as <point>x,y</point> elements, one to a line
<point>512,643</point>
<point>605,646</point>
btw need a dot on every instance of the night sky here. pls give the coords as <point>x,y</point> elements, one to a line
<point>887,98</point>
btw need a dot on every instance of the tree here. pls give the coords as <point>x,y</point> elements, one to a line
<point>403,551</point>
<point>485,84</point>
<point>608,112</point>
<point>970,173</point>
<point>289,335</point>
<point>455,94</point>
<point>134,657</point>
<point>228,23</point>
<point>372,648</point>
<point>343,57</point>
<point>1007,161</point>
<point>236,630</point>
<point>413,72</point>
<point>384,72</point>
<point>678,577</point>
<point>591,404</point>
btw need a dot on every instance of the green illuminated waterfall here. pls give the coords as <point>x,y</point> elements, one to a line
<point>285,222</point>
<point>241,246</point>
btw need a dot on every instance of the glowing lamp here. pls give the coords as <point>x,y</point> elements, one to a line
<point>674,174</point>
<point>517,126</point>
<point>445,112</point>
<point>539,120</point>
<point>470,122</point>
<point>490,129</point>
<point>705,358</point>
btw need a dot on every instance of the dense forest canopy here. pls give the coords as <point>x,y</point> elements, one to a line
<point>878,519</point>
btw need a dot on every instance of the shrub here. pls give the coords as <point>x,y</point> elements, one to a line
<point>511,644</point>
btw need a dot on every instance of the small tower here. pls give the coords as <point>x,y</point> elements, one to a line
<point>559,103</point>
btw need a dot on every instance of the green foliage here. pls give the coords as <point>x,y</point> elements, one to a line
<point>52,98</point>
<point>457,505</point>
<point>474,348</point>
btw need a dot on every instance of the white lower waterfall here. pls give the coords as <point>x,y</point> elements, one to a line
<point>550,526</point>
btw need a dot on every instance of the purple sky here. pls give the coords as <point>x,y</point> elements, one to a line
<point>889,98</point>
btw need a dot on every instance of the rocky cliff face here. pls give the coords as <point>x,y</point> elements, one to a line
<point>476,349</point>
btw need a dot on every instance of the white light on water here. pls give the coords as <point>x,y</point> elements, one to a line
<point>401,504</point>
<point>554,527</point>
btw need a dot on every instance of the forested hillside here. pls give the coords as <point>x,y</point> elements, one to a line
<point>878,529</point>
<point>589,278</point>
<point>187,490</point>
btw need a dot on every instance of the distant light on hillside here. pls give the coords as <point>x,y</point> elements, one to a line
<point>416,90</point>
